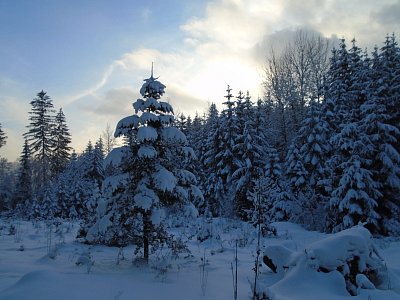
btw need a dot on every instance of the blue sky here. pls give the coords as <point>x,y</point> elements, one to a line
<point>91,56</point>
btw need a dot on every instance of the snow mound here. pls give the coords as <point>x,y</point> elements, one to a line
<point>343,263</point>
<point>34,285</point>
<point>352,244</point>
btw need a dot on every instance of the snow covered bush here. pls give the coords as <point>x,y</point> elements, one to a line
<point>349,258</point>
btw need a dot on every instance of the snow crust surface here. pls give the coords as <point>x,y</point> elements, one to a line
<point>79,271</point>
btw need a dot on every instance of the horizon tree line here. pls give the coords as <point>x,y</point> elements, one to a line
<point>323,141</point>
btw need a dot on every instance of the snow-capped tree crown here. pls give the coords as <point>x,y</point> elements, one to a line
<point>149,112</point>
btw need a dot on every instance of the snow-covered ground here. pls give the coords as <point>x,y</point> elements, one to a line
<point>35,264</point>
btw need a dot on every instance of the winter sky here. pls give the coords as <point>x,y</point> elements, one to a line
<point>91,56</point>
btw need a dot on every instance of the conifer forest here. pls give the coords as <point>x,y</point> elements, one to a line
<point>318,155</point>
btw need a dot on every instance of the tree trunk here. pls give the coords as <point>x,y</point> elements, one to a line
<point>146,235</point>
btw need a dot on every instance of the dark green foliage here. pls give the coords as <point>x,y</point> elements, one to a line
<point>23,192</point>
<point>40,137</point>
<point>61,148</point>
<point>3,137</point>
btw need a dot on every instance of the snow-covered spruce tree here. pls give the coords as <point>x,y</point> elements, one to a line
<point>356,194</point>
<point>155,179</point>
<point>181,122</point>
<point>276,197</point>
<point>66,190</point>
<point>61,148</point>
<point>337,83</point>
<point>314,145</point>
<point>194,132</point>
<point>251,152</point>
<point>238,194</point>
<point>213,185</point>
<point>48,207</point>
<point>89,180</point>
<point>389,70</point>
<point>378,123</point>
<point>3,137</point>
<point>389,93</point>
<point>61,193</point>
<point>197,134</point>
<point>96,158</point>
<point>197,138</point>
<point>306,167</point>
<point>334,110</point>
<point>227,162</point>
<point>355,191</point>
<point>295,175</point>
<point>7,182</point>
<point>80,183</point>
<point>41,140</point>
<point>242,111</point>
<point>23,192</point>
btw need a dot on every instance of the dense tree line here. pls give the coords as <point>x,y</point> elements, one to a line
<point>321,148</point>
<point>324,141</point>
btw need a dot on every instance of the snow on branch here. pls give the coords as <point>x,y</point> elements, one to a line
<point>147,133</point>
<point>145,198</point>
<point>173,134</point>
<point>164,180</point>
<point>125,125</point>
<point>148,117</point>
<point>146,151</point>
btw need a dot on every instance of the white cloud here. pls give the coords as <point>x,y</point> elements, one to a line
<point>145,14</point>
<point>225,46</point>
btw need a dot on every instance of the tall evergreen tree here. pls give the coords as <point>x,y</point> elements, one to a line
<point>62,139</point>
<point>389,71</point>
<point>227,157</point>
<point>7,182</point>
<point>40,138</point>
<point>213,186</point>
<point>23,191</point>
<point>197,137</point>
<point>3,137</point>
<point>79,185</point>
<point>355,191</point>
<point>276,198</point>
<point>251,152</point>
<point>156,179</point>
<point>379,123</point>
<point>96,170</point>
<point>182,123</point>
<point>306,166</point>
<point>337,83</point>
